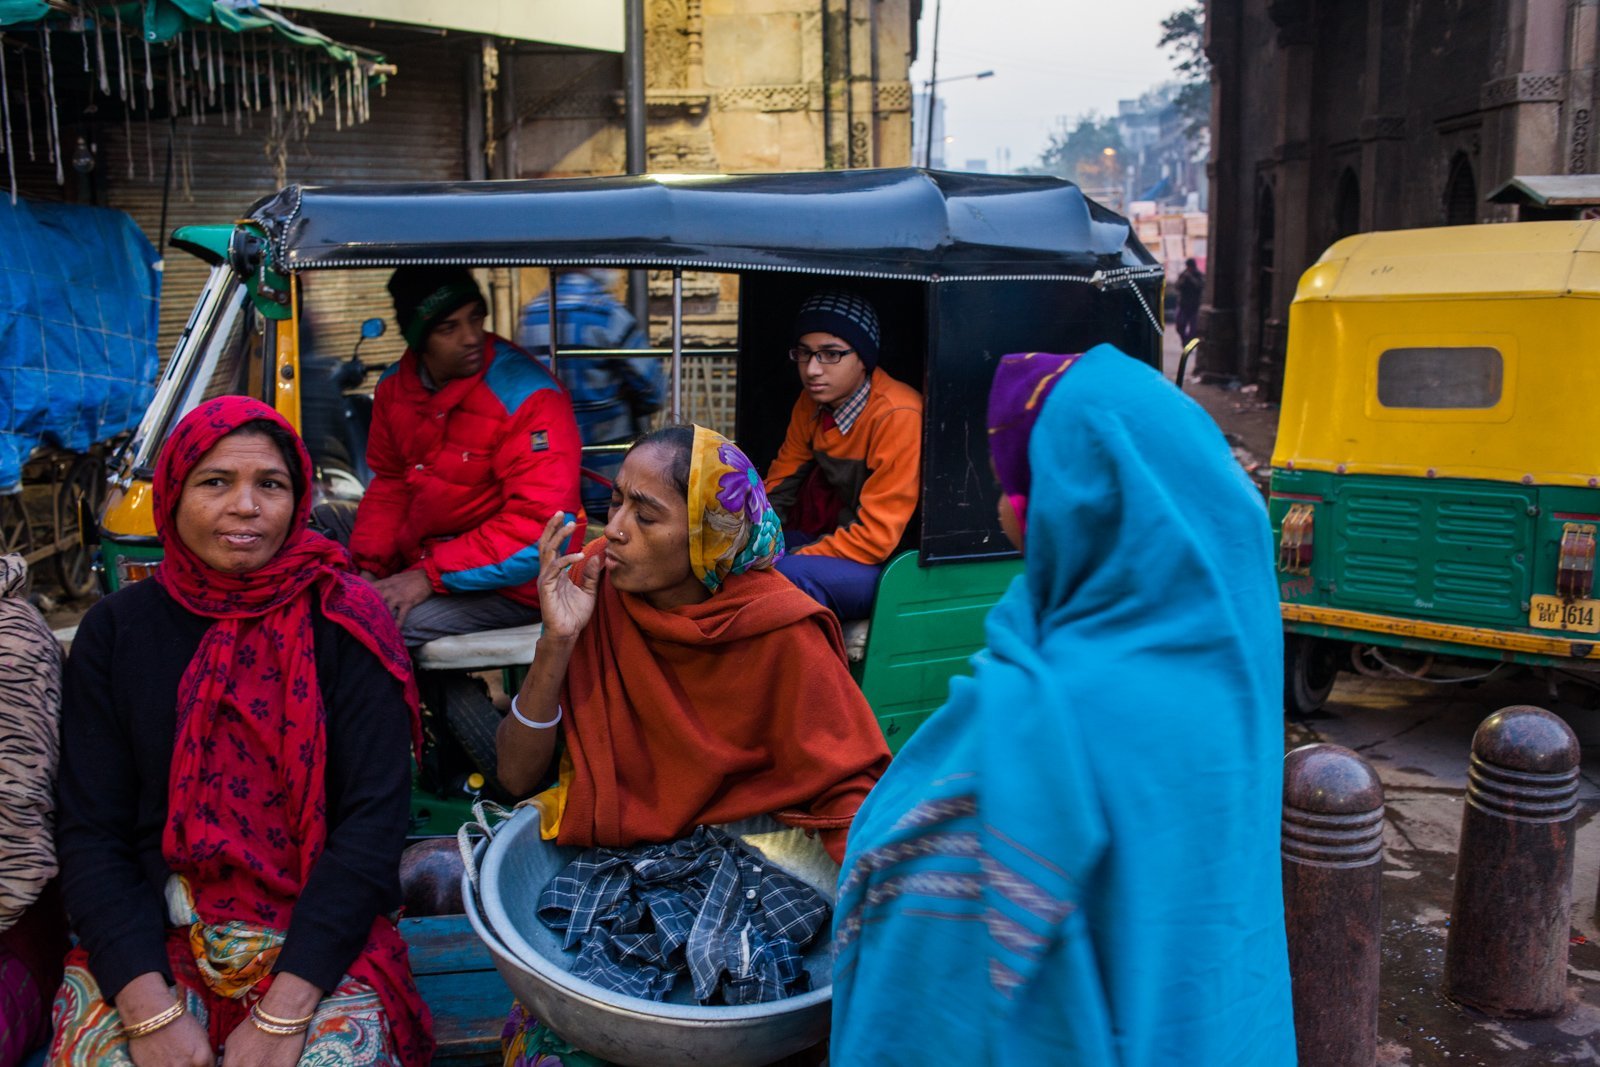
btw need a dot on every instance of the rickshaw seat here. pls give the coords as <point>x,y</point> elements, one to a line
<point>511,647</point>
<point>514,646</point>
<point>855,639</point>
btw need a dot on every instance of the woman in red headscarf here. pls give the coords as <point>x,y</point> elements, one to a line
<point>234,783</point>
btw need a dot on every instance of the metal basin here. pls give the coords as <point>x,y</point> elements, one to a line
<point>515,867</point>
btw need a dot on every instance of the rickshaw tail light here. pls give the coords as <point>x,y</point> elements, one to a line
<point>134,570</point>
<point>1575,575</point>
<point>1295,540</point>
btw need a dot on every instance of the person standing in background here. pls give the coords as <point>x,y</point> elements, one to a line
<point>613,398</point>
<point>1191,285</point>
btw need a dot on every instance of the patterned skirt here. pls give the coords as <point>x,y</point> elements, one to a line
<point>218,968</point>
<point>526,1042</point>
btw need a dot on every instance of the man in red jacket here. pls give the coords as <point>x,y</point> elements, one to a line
<point>473,447</point>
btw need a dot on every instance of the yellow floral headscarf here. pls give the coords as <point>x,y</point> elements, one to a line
<point>732,527</point>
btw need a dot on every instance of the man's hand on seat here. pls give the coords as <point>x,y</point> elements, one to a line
<point>402,592</point>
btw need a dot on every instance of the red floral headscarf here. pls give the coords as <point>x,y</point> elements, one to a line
<point>246,795</point>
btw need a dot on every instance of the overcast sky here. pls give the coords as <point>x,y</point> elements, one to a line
<point>1049,57</point>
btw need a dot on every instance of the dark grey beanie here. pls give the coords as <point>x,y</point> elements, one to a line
<point>843,314</point>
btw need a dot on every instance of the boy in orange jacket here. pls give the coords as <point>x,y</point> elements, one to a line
<point>846,480</point>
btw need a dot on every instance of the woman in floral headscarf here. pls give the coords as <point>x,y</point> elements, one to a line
<point>692,684</point>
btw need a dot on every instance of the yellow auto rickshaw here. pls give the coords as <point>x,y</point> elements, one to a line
<point>1436,481</point>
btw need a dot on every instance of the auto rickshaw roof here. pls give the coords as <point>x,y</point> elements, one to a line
<point>902,223</point>
<point>1518,260</point>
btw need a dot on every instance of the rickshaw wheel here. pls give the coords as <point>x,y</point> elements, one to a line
<point>472,720</point>
<point>16,533</point>
<point>1310,667</point>
<point>78,495</point>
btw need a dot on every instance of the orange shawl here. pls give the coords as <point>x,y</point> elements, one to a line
<point>738,706</point>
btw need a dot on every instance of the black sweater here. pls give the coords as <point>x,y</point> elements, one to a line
<point>118,722</point>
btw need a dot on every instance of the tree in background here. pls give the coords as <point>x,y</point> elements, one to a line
<point>1086,149</point>
<point>1183,35</point>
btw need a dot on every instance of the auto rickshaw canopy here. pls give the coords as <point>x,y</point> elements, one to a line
<point>1453,352</point>
<point>962,268</point>
<point>901,223</point>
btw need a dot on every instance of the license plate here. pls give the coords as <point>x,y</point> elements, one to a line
<point>1553,613</point>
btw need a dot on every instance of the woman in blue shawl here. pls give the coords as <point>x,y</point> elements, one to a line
<point>1075,861</point>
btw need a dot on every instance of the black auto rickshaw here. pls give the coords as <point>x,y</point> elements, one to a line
<point>962,268</point>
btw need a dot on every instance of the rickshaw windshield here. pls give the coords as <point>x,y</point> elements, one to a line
<point>222,351</point>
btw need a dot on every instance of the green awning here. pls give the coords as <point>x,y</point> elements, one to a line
<point>167,59</point>
<point>160,21</point>
<point>1549,190</point>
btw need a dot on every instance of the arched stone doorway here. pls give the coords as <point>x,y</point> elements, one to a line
<point>1460,193</point>
<point>1347,205</point>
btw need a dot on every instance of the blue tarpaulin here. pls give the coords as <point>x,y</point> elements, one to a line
<point>79,294</point>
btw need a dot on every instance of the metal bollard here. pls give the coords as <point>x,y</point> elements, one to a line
<point>1332,870</point>
<point>1507,951</point>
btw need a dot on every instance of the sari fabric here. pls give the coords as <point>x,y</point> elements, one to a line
<point>349,1027</point>
<point>247,815</point>
<point>737,706</point>
<point>1075,860</point>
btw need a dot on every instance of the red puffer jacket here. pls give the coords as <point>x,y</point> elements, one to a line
<point>465,477</point>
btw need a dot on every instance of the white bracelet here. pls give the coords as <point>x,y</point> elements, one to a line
<point>529,722</point>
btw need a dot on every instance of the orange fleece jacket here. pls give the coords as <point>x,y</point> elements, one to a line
<point>875,469</point>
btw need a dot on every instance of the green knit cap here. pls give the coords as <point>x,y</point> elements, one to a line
<point>425,295</point>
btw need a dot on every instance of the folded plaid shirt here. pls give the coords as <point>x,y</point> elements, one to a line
<point>640,917</point>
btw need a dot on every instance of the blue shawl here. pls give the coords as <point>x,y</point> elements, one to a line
<point>1075,860</point>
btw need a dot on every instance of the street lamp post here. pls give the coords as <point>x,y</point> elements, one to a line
<point>927,150</point>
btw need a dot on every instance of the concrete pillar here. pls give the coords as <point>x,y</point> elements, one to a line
<point>1578,117</point>
<point>1332,875</point>
<point>1383,128</point>
<point>1509,927</point>
<point>1228,258</point>
<point>1293,248</point>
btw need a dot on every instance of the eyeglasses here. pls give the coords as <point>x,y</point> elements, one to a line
<point>825,356</point>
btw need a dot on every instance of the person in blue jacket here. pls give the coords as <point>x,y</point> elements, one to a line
<point>613,398</point>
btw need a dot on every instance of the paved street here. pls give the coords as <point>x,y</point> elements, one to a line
<point>1418,737</point>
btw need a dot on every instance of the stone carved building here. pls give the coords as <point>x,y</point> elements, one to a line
<point>1332,117</point>
<point>732,85</point>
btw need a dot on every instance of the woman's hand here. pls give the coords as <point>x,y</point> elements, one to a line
<point>523,751</point>
<point>249,1046</point>
<point>291,997</point>
<point>565,608</point>
<point>181,1043</point>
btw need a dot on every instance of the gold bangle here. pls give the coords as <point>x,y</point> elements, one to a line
<point>285,1028</point>
<point>275,1031</point>
<point>158,1021</point>
<point>261,1013</point>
